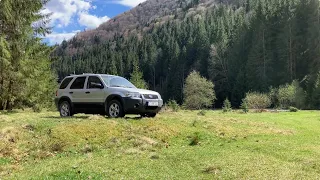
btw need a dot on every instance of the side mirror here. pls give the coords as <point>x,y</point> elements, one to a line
<point>96,85</point>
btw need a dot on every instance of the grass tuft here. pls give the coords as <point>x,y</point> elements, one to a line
<point>202,113</point>
<point>195,139</point>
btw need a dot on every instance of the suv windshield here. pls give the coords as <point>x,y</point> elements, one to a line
<point>114,81</point>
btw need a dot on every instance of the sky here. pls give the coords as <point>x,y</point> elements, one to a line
<point>72,16</point>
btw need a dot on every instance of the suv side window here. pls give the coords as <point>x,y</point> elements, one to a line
<point>65,83</point>
<point>93,80</point>
<point>78,83</point>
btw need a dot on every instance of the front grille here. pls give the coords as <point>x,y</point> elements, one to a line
<point>150,96</point>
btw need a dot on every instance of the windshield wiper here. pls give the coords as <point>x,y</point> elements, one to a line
<point>118,86</point>
<point>122,86</point>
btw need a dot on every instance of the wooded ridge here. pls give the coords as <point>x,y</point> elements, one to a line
<point>247,46</point>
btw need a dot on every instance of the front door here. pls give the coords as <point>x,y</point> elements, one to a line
<point>95,91</point>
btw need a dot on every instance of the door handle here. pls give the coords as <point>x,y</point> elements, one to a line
<point>88,92</point>
<point>70,92</point>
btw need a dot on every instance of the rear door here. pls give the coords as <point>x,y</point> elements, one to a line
<point>77,90</point>
<point>95,94</point>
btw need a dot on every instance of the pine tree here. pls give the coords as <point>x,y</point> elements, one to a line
<point>4,67</point>
<point>20,22</point>
<point>137,78</point>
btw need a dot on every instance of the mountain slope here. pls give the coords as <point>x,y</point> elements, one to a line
<point>242,47</point>
<point>143,17</point>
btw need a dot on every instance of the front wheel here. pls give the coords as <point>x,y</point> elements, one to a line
<point>65,109</point>
<point>115,109</point>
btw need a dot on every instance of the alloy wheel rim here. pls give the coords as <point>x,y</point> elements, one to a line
<point>64,110</point>
<point>114,110</point>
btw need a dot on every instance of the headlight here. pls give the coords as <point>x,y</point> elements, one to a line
<point>133,95</point>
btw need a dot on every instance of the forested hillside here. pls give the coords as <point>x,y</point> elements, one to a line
<point>241,47</point>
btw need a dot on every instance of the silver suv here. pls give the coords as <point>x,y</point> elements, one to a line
<point>103,94</point>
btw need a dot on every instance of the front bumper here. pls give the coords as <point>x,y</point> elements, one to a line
<point>140,106</point>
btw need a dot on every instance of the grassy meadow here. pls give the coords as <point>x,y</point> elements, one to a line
<point>174,145</point>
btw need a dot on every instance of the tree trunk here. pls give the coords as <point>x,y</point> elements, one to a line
<point>264,54</point>
<point>154,78</point>
<point>182,82</point>
<point>8,103</point>
<point>290,54</point>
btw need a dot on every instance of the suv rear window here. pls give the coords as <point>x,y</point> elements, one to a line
<point>78,83</point>
<point>65,83</point>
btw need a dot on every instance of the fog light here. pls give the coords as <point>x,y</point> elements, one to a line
<point>136,105</point>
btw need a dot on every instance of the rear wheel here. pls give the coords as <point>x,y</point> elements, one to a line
<point>65,109</point>
<point>115,109</point>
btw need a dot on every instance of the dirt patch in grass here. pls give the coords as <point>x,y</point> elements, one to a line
<point>212,170</point>
<point>133,151</point>
<point>9,138</point>
<point>148,140</point>
<point>10,134</point>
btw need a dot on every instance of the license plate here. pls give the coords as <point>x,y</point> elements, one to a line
<point>153,103</point>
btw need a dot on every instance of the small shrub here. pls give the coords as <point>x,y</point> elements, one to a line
<point>195,139</point>
<point>226,106</point>
<point>293,109</point>
<point>258,101</point>
<point>198,92</point>
<point>244,106</point>
<point>202,113</point>
<point>288,95</point>
<point>173,105</point>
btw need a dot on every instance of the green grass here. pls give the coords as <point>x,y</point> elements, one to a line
<point>174,145</point>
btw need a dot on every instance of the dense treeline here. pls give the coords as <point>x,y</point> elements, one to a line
<point>26,79</point>
<point>240,48</point>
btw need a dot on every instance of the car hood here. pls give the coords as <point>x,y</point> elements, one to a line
<point>142,91</point>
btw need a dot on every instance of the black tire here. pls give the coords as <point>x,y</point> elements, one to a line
<point>115,109</point>
<point>152,115</point>
<point>65,109</point>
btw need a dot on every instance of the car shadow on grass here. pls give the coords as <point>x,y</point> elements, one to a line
<point>74,117</point>
<point>133,118</point>
<point>136,118</point>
